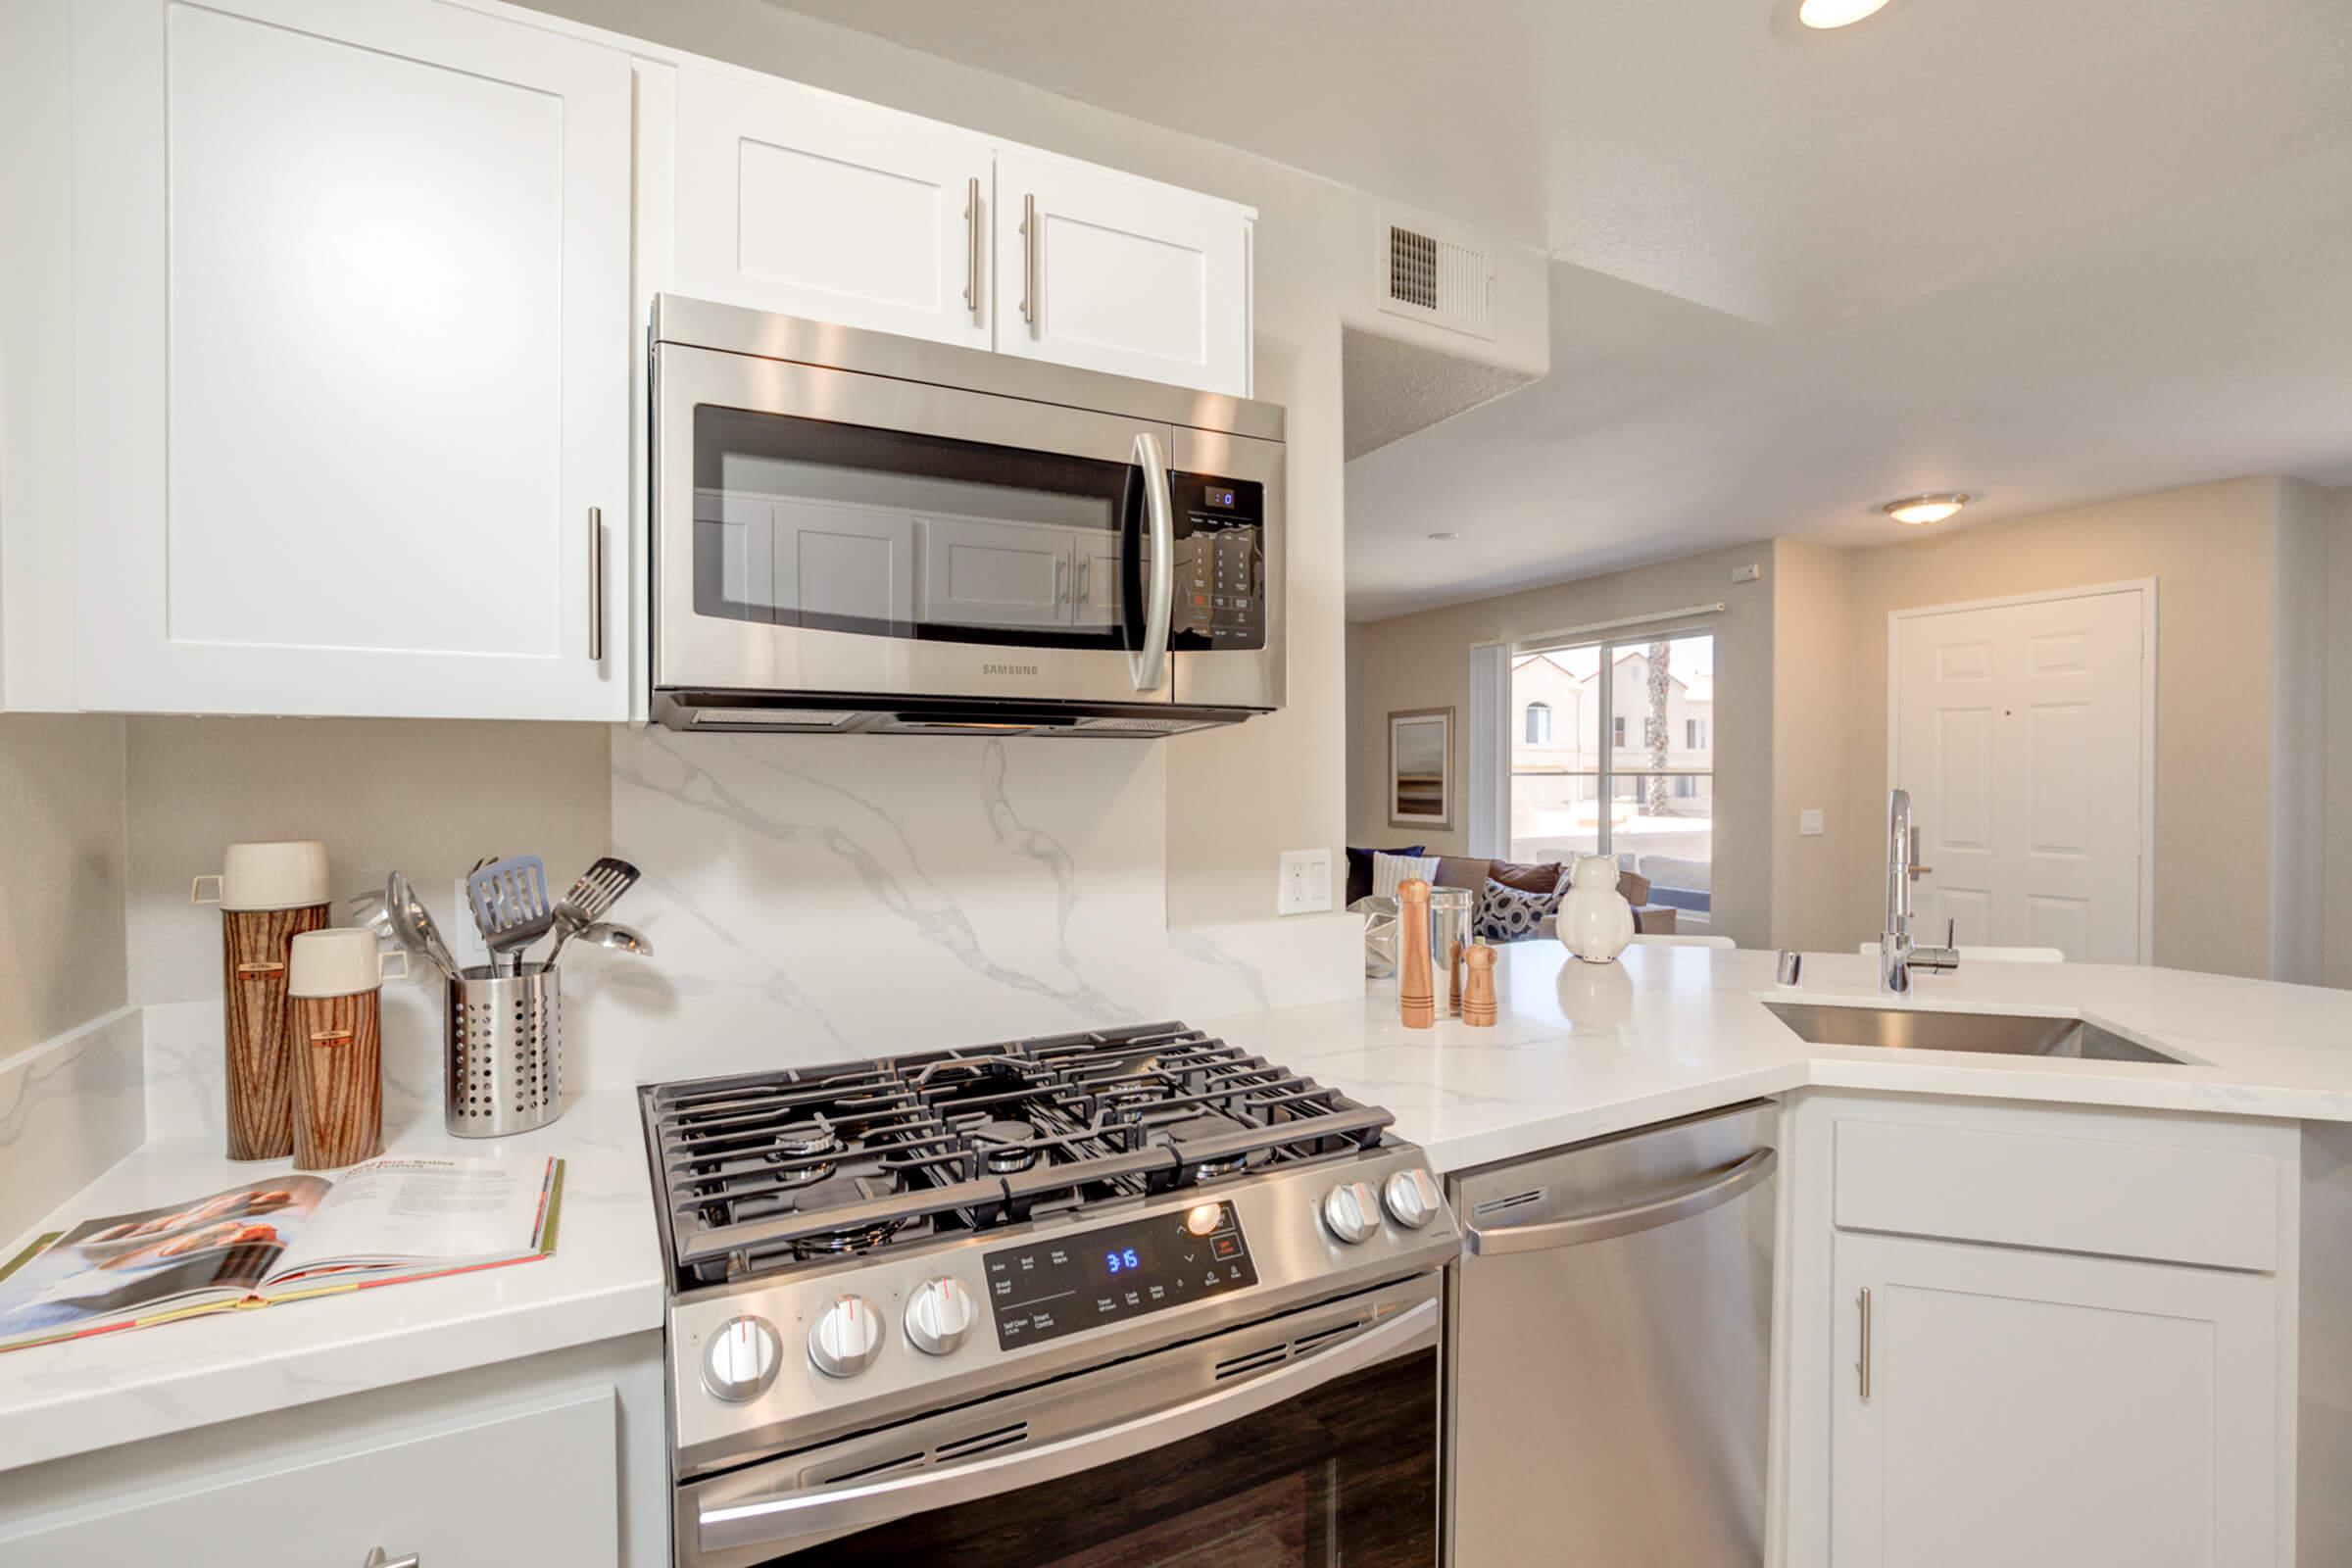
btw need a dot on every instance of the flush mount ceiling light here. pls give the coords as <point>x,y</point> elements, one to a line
<point>1444,536</point>
<point>1837,13</point>
<point>1924,508</point>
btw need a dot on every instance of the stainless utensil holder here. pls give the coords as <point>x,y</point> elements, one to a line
<point>504,1035</point>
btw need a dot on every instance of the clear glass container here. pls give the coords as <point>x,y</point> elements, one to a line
<point>1449,938</point>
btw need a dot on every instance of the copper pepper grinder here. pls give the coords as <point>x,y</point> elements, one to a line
<point>1478,990</point>
<point>1416,996</point>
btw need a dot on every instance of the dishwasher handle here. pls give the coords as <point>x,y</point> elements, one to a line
<point>1712,1193</point>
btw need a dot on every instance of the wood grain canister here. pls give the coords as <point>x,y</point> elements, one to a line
<point>254,947</point>
<point>336,980</point>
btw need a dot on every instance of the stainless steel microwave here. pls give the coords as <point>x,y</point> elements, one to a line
<point>855,531</point>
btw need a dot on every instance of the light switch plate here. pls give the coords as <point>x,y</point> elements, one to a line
<point>1808,822</point>
<point>1304,884</point>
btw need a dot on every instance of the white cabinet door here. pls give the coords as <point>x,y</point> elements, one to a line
<point>1095,595</point>
<point>794,200</point>
<point>982,573</point>
<point>534,1483</point>
<point>1113,273</point>
<point>2048,1410</point>
<point>353,325</point>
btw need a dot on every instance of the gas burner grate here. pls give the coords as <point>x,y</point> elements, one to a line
<point>763,1170</point>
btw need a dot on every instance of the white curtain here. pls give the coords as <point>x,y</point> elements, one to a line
<point>1491,751</point>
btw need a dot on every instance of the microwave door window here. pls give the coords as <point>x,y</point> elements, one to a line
<point>808,523</point>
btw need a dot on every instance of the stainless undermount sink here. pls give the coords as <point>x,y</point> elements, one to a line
<point>1994,1032</point>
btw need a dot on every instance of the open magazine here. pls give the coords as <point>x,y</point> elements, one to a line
<point>277,1238</point>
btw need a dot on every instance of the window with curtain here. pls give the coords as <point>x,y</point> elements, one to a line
<point>1647,795</point>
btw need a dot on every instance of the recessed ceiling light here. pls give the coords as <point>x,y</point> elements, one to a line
<point>1837,13</point>
<point>1924,508</point>
<point>1444,536</point>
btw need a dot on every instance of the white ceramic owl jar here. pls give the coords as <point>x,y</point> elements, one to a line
<point>1596,922</point>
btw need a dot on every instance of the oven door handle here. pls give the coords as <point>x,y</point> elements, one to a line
<point>797,1515</point>
<point>1148,664</point>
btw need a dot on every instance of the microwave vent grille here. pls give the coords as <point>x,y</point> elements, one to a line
<point>1135,726</point>
<point>773,719</point>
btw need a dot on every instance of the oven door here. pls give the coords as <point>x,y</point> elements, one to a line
<point>831,531</point>
<point>1309,1440</point>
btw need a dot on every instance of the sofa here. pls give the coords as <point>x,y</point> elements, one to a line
<point>1540,876</point>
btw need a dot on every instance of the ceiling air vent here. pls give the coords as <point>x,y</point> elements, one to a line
<point>1446,279</point>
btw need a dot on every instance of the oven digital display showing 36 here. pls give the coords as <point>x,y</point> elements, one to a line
<point>1048,1289</point>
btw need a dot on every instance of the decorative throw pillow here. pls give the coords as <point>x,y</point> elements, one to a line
<point>1390,869</point>
<point>1508,914</point>
<point>1530,876</point>
<point>1359,869</point>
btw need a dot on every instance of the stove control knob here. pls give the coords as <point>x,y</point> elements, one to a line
<point>846,1337</point>
<point>940,1314</point>
<point>741,1359</point>
<point>1412,1198</point>
<point>1352,1212</point>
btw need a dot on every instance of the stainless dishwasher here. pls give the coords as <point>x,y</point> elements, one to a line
<point>1608,1347</point>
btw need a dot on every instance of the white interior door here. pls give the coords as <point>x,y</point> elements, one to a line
<point>2021,731</point>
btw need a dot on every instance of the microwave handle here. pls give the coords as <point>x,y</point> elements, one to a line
<point>1150,662</point>
<point>777,1521</point>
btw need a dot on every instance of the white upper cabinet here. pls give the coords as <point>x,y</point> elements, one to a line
<point>353,331</point>
<point>1112,272</point>
<point>802,202</point>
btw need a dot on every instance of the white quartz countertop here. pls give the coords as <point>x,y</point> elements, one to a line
<point>604,1280</point>
<point>1582,1050</point>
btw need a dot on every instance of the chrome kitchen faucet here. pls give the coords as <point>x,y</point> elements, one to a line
<point>1897,957</point>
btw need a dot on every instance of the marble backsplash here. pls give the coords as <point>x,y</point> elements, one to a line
<point>822,899</point>
<point>70,1108</point>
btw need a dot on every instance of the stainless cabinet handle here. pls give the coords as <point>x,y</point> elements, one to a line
<point>1862,1366</point>
<point>377,1559</point>
<point>1086,588</point>
<point>1029,258</point>
<point>1061,575</point>
<point>1712,1193</point>
<point>595,585</point>
<point>971,246</point>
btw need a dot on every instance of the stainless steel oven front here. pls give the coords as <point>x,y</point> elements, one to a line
<point>853,530</point>
<point>1302,1441</point>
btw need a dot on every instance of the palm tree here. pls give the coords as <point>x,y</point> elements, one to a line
<point>1653,728</point>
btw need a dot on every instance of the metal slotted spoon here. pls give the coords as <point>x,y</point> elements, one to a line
<point>510,907</point>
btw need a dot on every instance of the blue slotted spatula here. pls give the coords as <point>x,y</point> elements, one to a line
<point>510,907</point>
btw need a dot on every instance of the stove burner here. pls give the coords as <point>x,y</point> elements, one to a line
<point>802,1149</point>
<point>1005,1145</point>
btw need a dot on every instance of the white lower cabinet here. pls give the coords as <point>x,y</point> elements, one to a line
<point>2035,1336</point>
<point>532,1485</point>
<point>2043,1410</point>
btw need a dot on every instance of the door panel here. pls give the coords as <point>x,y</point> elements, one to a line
<point>979,573</point>
<point>2017,730</point>
<point>357,361</point>
<point>1121,274</point>
<point>2044,1410</point>
<point>795,200</point>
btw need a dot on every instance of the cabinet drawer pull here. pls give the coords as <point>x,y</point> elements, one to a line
<point>1862,1365</point>
<point>595,585</point>
<point>971,246</point>
<point>1029,258</point>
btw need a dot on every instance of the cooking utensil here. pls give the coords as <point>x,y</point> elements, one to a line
<point>510,907</point>
<point>620,938</point>
<point>413,925</point>
<point>590,898</point>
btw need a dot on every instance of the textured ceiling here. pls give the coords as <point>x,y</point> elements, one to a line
<point>1393,388</point>
<point>2046,250</point>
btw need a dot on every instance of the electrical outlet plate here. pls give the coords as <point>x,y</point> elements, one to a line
<point>1808,822</point>
<point>1303,886</point>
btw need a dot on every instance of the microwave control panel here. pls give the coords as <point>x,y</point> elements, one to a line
<point>1047,1289</point>
<point>1221,564</point>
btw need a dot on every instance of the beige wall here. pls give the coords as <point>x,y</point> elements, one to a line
<point>422,797</point>
<point>1312,259</point>
<point>2209,548</point>
<point>2337,961</point>
<point>61,874</point>
<point>1813,719</point>
<point>1423,661</point>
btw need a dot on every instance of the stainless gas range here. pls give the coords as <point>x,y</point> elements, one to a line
<point>1133,1297</point>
